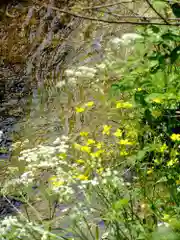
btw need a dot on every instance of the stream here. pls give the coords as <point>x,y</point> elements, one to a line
<point>19,95</point>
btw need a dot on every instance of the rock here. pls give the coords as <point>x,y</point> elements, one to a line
<point>8,206</point>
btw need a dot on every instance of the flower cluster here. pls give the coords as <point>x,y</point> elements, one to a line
<point>121,104</point>
<point>94,155</point>
<point>37,160</point>
<point>85,106</point>
<point>12,227</point>
<point>125,40</point>
<point>80,72</point>
<point>44,156</point>
<point>89,73</point>
<point>175,137</point>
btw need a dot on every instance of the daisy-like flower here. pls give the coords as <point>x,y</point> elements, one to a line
<point>175,137</point>
<point>157,100</point>
<point>125,142</point>
<point>55,181</point>
<point>99,145</point>
<point>80,109</point>
<point>84,134</point>
<point>123,105</point>
<point>97,153</point>
<point>82,177</point>
<point>89,104</point>
<point>118,133</point>
<point>106,129</point>
<point>85,149</point>
<point>90,142</point>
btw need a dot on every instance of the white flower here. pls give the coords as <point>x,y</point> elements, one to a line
<point>94,182</point>
<point>9,221</point>
<point>101,66</point>
<point>163,224</point>
<point>72,81</point>
<point>78,74</point>
<point>64,138</point>
<point>45,236</point>
<point>129,37</point>
<point>69,72</point>
<point>87,69</point>
<point>116,41</point>
<point>89,75</point>
<point>16,145</point>
<point>25,176</point>
<point>57,141</point>
<point>60,84</point>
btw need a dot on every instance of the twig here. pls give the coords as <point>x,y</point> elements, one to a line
<point>137,17</point>
<point>152,7</point>
<point>107,5</point>
<point>109,21</point>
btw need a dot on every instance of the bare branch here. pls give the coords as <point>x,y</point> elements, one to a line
<point>110,21</point>
<point>137,16</point>
<point>152,7</point>
<point>107,5</point>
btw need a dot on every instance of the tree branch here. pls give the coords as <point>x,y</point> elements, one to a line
<point>107,5</point>
<point>136,17</point>
<point>109,21</point>
<point>152,7</point>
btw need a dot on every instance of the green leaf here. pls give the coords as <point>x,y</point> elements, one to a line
<point>170,36</point>
<point>161,180</point>
<point>152,96</point>
<point>155,29</point>
<point>120,203</point>
<point>175,54</point>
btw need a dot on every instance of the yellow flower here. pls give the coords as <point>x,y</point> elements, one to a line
<point>90,142</point>
<point>80,109</point>
<point>84,134</point>
<point>139,89</point>
<point>158,161</point>
<point>123,153</point>
<point>55,181</point>
<point>82,177</point>
<point>123,105</point>
<point>157,100</point>
<point>99,145</point>
<point>106,129</point>
<point>100,170</point>
<point>127,105</point>
<point>125,142</point>
<point>172,162</point>
<point>89,104</point>
<point>175,137</point>
<point>163,148</point>
<point>85,149</point>
<point>62,155</point>
<point>166,217</point>
<point>131,134</point>
<point>80,161</point>
<point>97,153</point>
<point>150,171</point>
<point>118,133</point>
<point>178,181</point>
